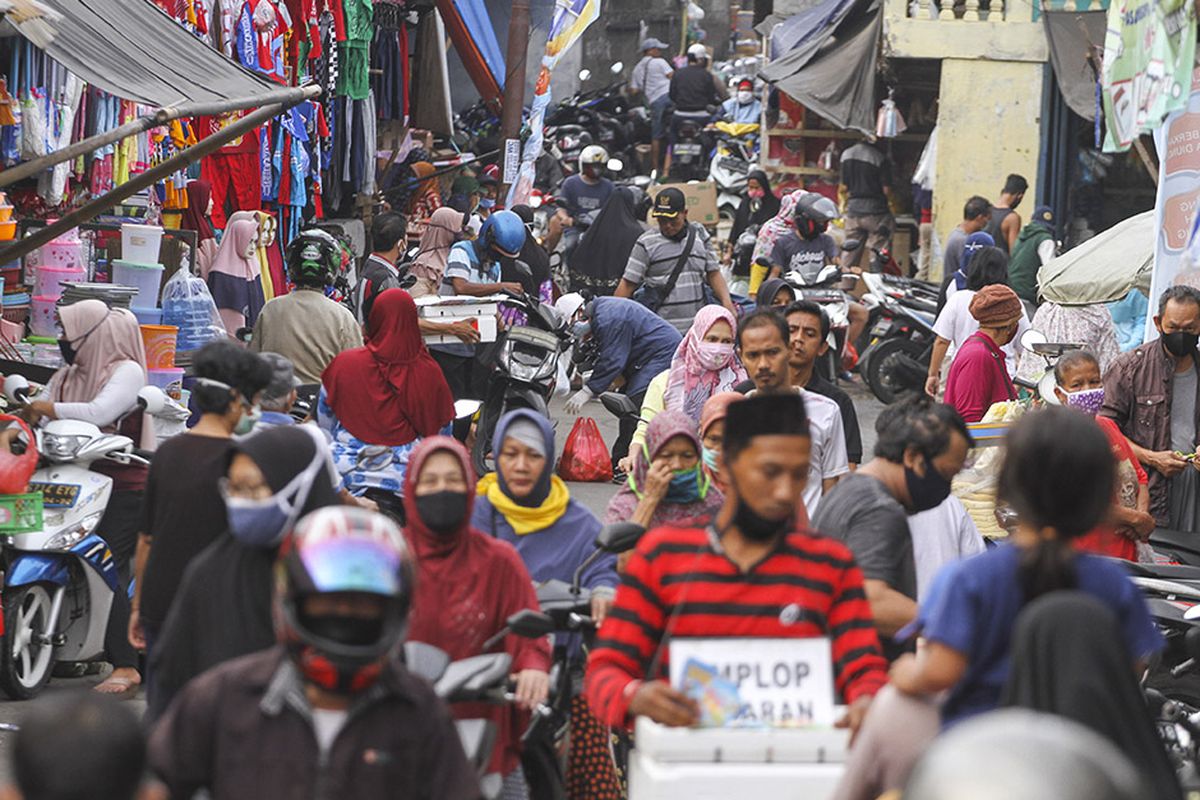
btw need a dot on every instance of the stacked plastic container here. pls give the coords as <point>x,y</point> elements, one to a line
<point>60,262</point>
<point>139,267</point>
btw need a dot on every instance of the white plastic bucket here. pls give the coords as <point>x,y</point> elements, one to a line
<point>140,243</point>
<point>144,277</point>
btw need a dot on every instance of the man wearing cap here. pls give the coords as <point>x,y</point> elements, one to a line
<point>979,375</point>
<point>1035,246</point>
<point>655,256</point>
<point>280,395</point>
<point>754,572</point>
<point>744,108</point>
<point>652,79</point>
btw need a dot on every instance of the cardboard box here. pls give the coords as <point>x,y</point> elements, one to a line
<point>701,200</point>
<point>480,311</point>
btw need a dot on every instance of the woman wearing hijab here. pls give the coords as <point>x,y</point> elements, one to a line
<point>223,607</point>
<point>525,504</point>
<point>195,218</point>
<point>442,231</point>
<point>1069,659</point>
<point>424,201</point>
<point>712,432</point>
<point>775,293</point>
<point>704,363</point>
<point>771,232</point>
<point>468,584</point>
<point>106,368</point>
<point>599,260</point>
<point>759,204</point>
<point>376,401</point>
<point>667,485</point>
<point>235,277</point>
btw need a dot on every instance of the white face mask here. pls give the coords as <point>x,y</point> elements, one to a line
<point>745,98</point>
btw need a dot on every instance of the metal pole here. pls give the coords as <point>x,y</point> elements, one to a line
<point>159,116</point>
<point>514,79</point>
<point>144,180</point>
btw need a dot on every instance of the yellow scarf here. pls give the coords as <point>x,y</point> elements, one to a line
<point>526,519</point>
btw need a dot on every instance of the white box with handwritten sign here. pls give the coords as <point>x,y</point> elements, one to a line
<point>782,682</point>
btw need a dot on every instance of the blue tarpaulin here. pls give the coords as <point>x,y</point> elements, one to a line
<point>478,22</point>
<point>811,24</point>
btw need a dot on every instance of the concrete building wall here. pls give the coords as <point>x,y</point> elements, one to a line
<point>989,125</point>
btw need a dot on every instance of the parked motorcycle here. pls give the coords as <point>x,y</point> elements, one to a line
<point>689,152</point>
<point>895,357</point>
<point>60,580</point>
<point>735,155</point>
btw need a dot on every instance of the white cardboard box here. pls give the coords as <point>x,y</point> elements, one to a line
<point>479,310</point>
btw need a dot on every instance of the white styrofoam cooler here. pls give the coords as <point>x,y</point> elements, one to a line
<point>720,763</point>
<point>460,308</point>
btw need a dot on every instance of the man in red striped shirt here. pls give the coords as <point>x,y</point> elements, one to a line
<point>749,574</point>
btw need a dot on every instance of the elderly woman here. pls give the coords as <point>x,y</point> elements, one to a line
<point>667,484</point>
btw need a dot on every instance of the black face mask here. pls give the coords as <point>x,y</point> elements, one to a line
<point>68,352</point>
<point>926,492</point>
<point>756,527</point>
<point>1180,343</point>
<point>442,512</point>
<point>679,235</point>
<point>353,631</point>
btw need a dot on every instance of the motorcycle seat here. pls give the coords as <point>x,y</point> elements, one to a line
<point>1176,540</point>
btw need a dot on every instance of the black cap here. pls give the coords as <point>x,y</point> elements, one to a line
<point>669,203</point>
<point>779,413</point>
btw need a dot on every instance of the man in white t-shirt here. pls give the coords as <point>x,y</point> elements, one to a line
<point>763,347</point>
<point>652,79</point>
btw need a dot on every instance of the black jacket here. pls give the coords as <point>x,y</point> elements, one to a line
<point>692,89</point>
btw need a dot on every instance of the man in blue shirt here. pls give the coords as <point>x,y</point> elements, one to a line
<point>743,108</point>
<point>280,395</point>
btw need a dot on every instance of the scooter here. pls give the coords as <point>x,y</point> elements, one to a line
<point>689,152</point>
<point>732,160</point>
<point>59,581</point>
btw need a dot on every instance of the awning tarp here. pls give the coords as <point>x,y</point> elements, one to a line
<point>1105,267</point>
<point>810,26</point>
<point>132,49</point>
<point>833,72</point>
<point>478,22</point>
<point>1072,35</point>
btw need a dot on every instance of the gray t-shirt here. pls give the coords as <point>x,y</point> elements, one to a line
<point>861,514</point>
<point>806,256</point>
<point>955,243</point>
<point>1183,412</point>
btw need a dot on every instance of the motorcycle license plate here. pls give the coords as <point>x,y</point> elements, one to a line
<point>57,495</point>
<point>607,135</point>
<point>687,149</point>
<point>735,165</point>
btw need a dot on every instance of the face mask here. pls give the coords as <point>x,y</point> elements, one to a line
<point>68,352</point>
<point>1088,400</point>
<point>581,328</point>
<point>263,523</point>
<point>745,98</point>
<point>679,234</point>
<point>249,419</point>
<point>592,173</point>
<point>756,194</point>
<point>351,631</point>
<point>487,204</point>
<point>928,491</point>
<point>1180,343</point>
<point>442,512</point>
<point>686,487</point>
<point>709,457</point>
<point>714,355</point>
<point>753,525</point>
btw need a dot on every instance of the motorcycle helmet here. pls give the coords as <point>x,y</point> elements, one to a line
<point>698,53</point>
<point>593,156</point>
<point>813,214</point>
<point>504,233</point>
<point>341,549</point>
<point>314,258</point>
<point>569,304</point>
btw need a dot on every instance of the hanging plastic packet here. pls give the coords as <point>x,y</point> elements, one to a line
<point>889,123</point>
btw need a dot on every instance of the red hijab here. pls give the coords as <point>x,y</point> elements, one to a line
<point>199,194</point>
<point>390,391</point>
<point>468,584</point>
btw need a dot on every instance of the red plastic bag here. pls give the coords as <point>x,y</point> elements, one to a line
<point>15,470</point>
<point>585,456</point>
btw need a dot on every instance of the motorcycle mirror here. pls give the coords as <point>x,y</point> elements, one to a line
<point>535,201</point>
<point>850,245</point>
<point>466,408</point>
<point>16,389</point>
<point>530,624</point>
<point>584,74</point>
<point>615,165</point>
<point>617,68</point>
<point>244,335</point>
<point>619,404</point>
<point>152,400</point>
<point>1032,337</point>
<point>425,660</point>
<point>619,537</point>
<point>408,281</point>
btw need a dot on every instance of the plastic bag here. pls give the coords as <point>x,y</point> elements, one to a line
<point>15,470</point>
<point>187,305</point>
<point>585,456</point>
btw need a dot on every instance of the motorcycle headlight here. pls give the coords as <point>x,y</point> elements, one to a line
<point>64,540</point>
<point>62,448</point>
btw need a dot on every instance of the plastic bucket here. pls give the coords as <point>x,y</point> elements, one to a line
<point>63,254</point>
<point>144,277</point>
<point>160,345</point>
<point>43,320</point>
<point>147,316</point>
<point>169,380</point>
<point>140,243</point>
<point>48,280</point>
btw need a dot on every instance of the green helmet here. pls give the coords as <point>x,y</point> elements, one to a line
<point>314,258</point>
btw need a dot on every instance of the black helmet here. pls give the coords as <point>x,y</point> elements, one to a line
<point>813,214</point>
<point>342,550</point>
<point>314,258</point>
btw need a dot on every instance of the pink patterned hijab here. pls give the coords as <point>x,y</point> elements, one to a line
<point>701,369</point>
<point>775,228</point>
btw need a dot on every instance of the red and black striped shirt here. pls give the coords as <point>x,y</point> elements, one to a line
<point>808,586</point>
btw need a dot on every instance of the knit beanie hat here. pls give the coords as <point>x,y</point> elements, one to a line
<point>994,304</point>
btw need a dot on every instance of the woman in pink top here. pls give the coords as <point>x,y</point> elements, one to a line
<point>979,375</point>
